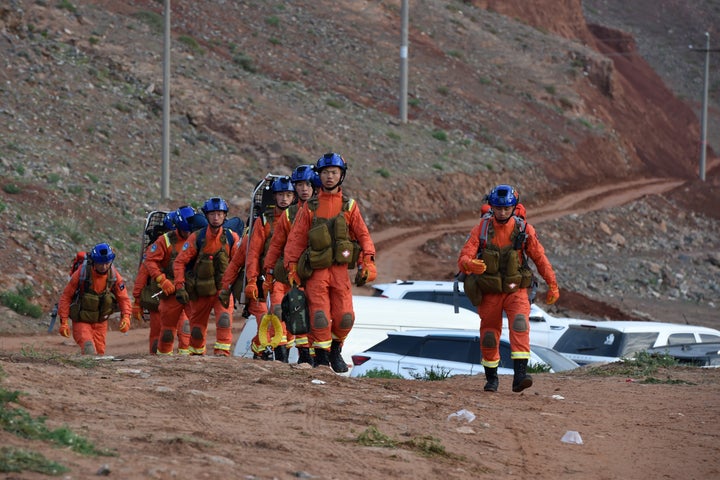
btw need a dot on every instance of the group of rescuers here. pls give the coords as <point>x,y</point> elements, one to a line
<point>309,238</point>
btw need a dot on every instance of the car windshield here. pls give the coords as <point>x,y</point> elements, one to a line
<point>604,343</point>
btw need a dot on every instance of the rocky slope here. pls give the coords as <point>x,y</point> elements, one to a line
<point>499,91</point>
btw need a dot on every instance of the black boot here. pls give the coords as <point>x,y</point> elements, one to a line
<point>321,358</point>
<point>304,356</point>
<point>521,380</point>
<point>266,354</point>
<point>336,361</point>
<point>281,353</point>
<point>492,379</point>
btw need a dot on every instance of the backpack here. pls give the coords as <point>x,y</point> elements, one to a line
<point>295,312</point>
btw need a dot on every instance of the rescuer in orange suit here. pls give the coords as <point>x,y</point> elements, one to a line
<point>496,255</point>
<point>172,316</point>
<point>208,251</point>
<point>260,238</point>
<point>304,180</point>
<point>98,286</point>
<point>329,250</point>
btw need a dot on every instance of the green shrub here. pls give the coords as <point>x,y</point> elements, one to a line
<point>383,172</point>
<point>17,460</point>
<point>21,304</point>
<point>380,373</point>
<point>11,188</point>
<point>244,62</point>
<point>433,374</point>
<point>153,20</point>
<point>440,135</point>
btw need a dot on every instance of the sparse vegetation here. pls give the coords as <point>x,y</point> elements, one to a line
<point>20,302</point>
<point>11,188</point>
<point>440,135</point>
<point>381,373</point>
<point>433,374</point>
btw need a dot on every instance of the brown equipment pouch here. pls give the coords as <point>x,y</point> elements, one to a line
<point>319,237</point>
<point>472,289</point>
<point>147,298</point>
<point>279,272</point>
<point>492,261</point>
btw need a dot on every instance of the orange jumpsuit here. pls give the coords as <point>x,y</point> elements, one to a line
<point>516,305</point>
<point>171,318</point>
<point>201,308</point>
<point>262,233</point>
<point>328,290</point>
<point>91,336</point>
<point>275,250</point>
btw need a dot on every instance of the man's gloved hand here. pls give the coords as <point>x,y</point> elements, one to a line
<point>251,290</point>
<point>475,266</point>
<point>553,294</point>
<point>166,285</point>
<point>268,284</point>
<point>181,295</point>
<point>224,297</point>
<point>367,272</point>
<point>137,311</point>
<point>125,323</point>
<point>64,329</point>
<point>293,277</point>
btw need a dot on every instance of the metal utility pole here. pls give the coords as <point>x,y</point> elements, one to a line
<point>404,61</point>
<point>166,107</point>
<point>703,143</point>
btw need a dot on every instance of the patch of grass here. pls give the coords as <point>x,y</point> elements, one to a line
<point>485,81</point>
<point>273,21</point>
<point>122,107</point>
<point>66,5</point>
<point>19,422</point>
<point>93,40</point>
<point>15,460</point>
<point>443,90</point>
<point>427,445</point>
<point>244,62</point>
<point>93,178</point>
<point>11,188</point>
<point>153,20</point>
<point>437,166</point>
<point>3,207</point>
<point>380,373</point>
<point>433,374</point>
<point>455,53</point>
<point>538,368</point>
<point>191,43</point>
<point>20,170</point>
<point>53,178</point>
<point>20,303</point>
<point>383,172</point>
<point>550,89</point>
<point>30,353</point>
<point>414,102</point>
<point>75,189</point>
<point>372,437</point>
<point>393,136</point>
<point>641,365</point>
<point>334,103</point>
<point>275,41</point>
<point>440,135</point>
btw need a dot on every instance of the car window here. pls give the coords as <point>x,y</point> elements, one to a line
<point>590,341</point>
<point>637,342</point>
<point>449,299</point>
<point>706,338</point>
<point>450,349</point>
<point>681,338</point>
<point>400,344</point>
<point>418,295</point>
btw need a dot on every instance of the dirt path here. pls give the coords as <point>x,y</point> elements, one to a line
<point>396,246</point>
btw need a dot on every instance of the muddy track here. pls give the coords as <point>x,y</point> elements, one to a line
<point>398,247</point>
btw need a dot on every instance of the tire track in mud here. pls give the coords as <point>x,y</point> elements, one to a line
<point>397,246</point>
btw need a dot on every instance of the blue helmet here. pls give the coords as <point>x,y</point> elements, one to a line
<point>282,184</point>
<point>331,160</point>
<point>102,253</point>
<point>169,220</point>
<point>183,215</point>
<point>215,204</point>
<point>503,196</point>
<point>304,173</point>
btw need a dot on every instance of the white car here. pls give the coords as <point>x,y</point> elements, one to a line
<point>611,341</point>
<point>414,353</point>
<point>374,318</point>
<point>545,329</point>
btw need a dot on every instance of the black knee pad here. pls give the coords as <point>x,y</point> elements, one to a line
<point>320,320</point>
<point>520,323</point>
<point>224,320</point>
<point>346,321</point>
<point>196,333</point>
<point>167,336</point>
<point>488,340</point>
